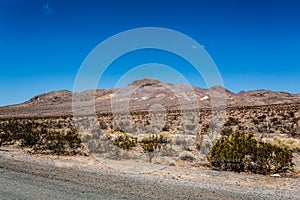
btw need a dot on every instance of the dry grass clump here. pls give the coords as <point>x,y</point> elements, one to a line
<point>289,143</point>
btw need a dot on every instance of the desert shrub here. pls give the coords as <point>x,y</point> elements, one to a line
<point>190,127</point>
<point>241,152</point>
<point>53,142</point>
<point>125,141</point>
<point>29,139</point>
<point>294,132</point>
<point>168,150</point>
<point>181,140</point>
<point>26,133</point>
<point>5,137</point>
<point>229,152</point>
<point>31,133</point>
<point>103,125</point>
<point>187,156</point>
<point>204,129</point>
<point>73,140</point>
<point>270,158</point>
<point>152,143</point>
<point>261,118</point>
<point>231,122</point>
<point>203,144</point>
<point>292,114</point>
<point>227,131</point>
<point>98,141</point>
<point>40,139</point>
<point>166,127</point>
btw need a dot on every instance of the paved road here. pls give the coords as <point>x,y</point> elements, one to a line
<point>19,185</point>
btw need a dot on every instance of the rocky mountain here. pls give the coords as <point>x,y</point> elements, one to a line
<point>263,97</point>
<point>56,97</point>
<point>141,95</point>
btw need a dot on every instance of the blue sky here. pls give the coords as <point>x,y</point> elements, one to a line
<point>255,44</point>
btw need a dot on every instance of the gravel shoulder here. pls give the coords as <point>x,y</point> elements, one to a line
<point>25,186</point>
<point>25,176</point>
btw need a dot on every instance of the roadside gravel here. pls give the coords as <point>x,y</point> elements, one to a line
<point>96,178</point>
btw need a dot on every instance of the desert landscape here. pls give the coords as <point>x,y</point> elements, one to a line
<point>42,131</point>
<point>130,99</point>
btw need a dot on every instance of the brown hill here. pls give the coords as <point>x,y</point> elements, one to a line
<point>142,94</point>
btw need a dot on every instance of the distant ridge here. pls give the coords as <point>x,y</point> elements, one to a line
<point>148,91</point>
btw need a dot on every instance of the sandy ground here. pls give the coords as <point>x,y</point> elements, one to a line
<point>26,176</point>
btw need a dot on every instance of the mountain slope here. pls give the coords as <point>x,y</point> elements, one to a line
<point>141,95</point>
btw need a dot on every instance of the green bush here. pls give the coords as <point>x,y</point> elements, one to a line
<point>227,131</point>
<point>241,152</point>
<point>269,158</point>
<point>5,137</point>
<point>152,143</point>
<point>125,141</point>
<point>54,142</point>
<point>30,134</point>
<point>40,139</point>
<point>29,139</point>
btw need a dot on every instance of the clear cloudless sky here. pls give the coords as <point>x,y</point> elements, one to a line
<point>254,43</point>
